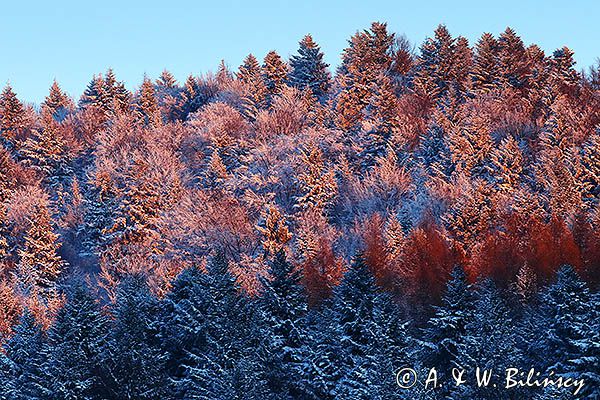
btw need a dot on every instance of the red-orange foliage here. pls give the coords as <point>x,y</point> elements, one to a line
<point>428,261</point>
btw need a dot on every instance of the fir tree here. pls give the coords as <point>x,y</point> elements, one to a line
<point>24,361</point>
<point>39,255</point>
<point>219,369</point>
<point>147,105</point>
<point>47,152</point>
<point>57,102</point>
<point>490,342</point>
<point>74,346</point>
<point>133,364</point>
<point>309,70</point>
<point>95,95</point>
<point>513,64</point>
<point>255,94</point>
<point>275,72</point>
<point>12,114</point>
<point>166,80</point>
<point>445,334</point>
<point>485,73</point>
<point>282,305</point>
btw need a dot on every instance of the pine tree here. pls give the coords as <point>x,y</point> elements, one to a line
<point>255,94</point>
<point>307,69</point>
<point>12,114</point>
<point>275,72</point>
<point>39,255</point>
<point>132,362</point>
<point>74,345</point>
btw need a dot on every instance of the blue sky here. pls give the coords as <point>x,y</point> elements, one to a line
<point>72,40</point>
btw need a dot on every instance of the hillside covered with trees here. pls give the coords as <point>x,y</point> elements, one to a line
<point>289,231</point>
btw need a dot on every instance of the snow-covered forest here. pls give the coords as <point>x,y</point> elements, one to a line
<point>284,230</point>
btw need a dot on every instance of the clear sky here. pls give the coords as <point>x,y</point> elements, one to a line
<point>72,40</point>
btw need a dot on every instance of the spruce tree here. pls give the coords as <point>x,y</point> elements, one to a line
<point>12,115</point>
<point>147,104</point>
<point>282,306</point>
<point>255,94</point>
<point>358,317</point>
<point>445,333</point>
<point>95,95</point>
<point>47,152</point>
<point>24,361</point>
<point>39,255</point>
<point>486,74</point>
<point>74,346</point>
<point>489,342</point>
<point>566,331</point>
<point>275,72</point>
<point>57,102</point>
<point>308,70</point>
<point>132,362</point>
<point>512,60</point>
<point>219,369</point>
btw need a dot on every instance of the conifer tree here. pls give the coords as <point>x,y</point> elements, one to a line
<point>147,104</point>
<point>24,361</point>
<point>95,95</point>
<point>133,364</point>
<point>444,335</point>
<point>366,59</point>
<point>485,74</point>
<point>10,310</point>
<point>358,315</point>
<point>47,152</point>
<point>57,102</point>
<point>282,305</point>
<point>563,77</point>
<point>39,255</point>
<point>307,68</point>
<point>490,342</point>
<point>12,114</point>
<point>166,80</point>
<point>275,72</point>
<point>255,95</point>
<point>435,66</point>
<point>218,368</point>
<point>566,330</point>
<point>118,97</point>
<point>74,346</point>
<point>512,60</point>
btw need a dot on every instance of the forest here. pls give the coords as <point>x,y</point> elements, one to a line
<point>288,230</point>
